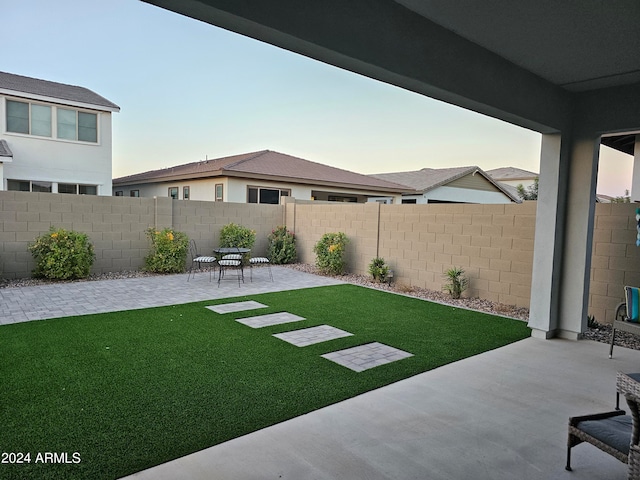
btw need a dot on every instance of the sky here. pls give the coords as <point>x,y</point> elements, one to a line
<point>189,91</point>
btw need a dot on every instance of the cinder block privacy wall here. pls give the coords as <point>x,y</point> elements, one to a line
<point>493,243</point>
<point>117,225</point>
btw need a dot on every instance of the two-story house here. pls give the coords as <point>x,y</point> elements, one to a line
<point>54,137</point>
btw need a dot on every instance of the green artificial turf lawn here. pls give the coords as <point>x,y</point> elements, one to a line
<point>133,389</point>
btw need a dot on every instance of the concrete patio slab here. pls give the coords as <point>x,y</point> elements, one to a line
<point>236,307</point>
<point>313,335</point>
<point>499,415</point>
<point>269,320</point>
<point>364,357</point>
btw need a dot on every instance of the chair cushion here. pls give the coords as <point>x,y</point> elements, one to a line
<point>229,263</point>
<point>232,256</point>
<point>259,260</point>
<point>632,295</point>
<point>204,259</point>
<point>614,431</point>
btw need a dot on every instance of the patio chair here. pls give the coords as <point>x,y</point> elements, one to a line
<point>613,432</point>
<point>627,315</point>
<point>259,261</point>
<point>230,261</point>
<point>198,260</point>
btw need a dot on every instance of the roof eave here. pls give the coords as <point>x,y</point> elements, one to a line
<point>304,181</point>
<point>59,101</point>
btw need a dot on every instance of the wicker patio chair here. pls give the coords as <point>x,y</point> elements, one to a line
<point>627,315</point>
<point>613,432</point>
<point>198,260</point>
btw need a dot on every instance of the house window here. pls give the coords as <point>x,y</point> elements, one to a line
<point>66,124</point>
<point>28,118</point>
<point>119,193</point>
<point>266,195</point>
<point>409,200</point>
<point>68,188</point>
<point>134,193</point>
<point>36,119</point>
<point>173,193</point>
<point>75,189</point>
<point>87,127</point>
<point>28,186</point>
<point>75,125</point>
<point>185,193</point>
<point>88,189</point>
<point>219,191</point>
<point>340,198</point>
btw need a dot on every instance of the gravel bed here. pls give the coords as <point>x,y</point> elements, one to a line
<point>30,282</point>
<point>510,311</point>
<point>599,333</point>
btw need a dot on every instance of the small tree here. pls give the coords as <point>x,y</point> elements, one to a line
<point>457,282</point>
<point>330,251</point>
<point>529,193</point>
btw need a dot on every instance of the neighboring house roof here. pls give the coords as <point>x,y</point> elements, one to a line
<point>266,165</point>
<point>18,84</point>
<point>428,179</point>
<point>511,173</point>
<point>511,189</point>
<point>5,151</point>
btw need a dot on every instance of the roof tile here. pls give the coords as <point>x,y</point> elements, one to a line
<point>34,86</point>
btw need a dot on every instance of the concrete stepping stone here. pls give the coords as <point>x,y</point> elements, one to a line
<point>366,356</point>
<point>236,307</point>
<point>310,336</point>
<point>270,319</point>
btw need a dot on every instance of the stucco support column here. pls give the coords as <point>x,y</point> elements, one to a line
<point>564,235</point>
<point>635,183</point>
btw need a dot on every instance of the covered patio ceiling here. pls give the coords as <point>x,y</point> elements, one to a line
<point>529,63</point>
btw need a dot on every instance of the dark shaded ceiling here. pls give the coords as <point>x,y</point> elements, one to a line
<point>578,45</point>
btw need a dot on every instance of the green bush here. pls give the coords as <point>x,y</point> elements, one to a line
<point>233,235</point>
<point>378,269</point>
<point>62,255</point>
<point>457,282</point>
<point>282,246</point>
<point>330,251</point>
<point>168,251</point>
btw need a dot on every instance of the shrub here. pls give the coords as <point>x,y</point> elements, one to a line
<point>282,246</point>
<point>233,235</point>
<point>168,251</point>
<point>62,255</point>
<point>457,282</point>
<point>378,269</point>
<point>329,252</point>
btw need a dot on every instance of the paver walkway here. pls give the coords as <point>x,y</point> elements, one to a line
<point>270,319</point>
<point>312,335</point>
<point>236,307</point>
<point>364,357</point>
<point>65,299</point>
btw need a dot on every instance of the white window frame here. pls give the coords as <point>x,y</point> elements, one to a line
<point>54,121</point>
